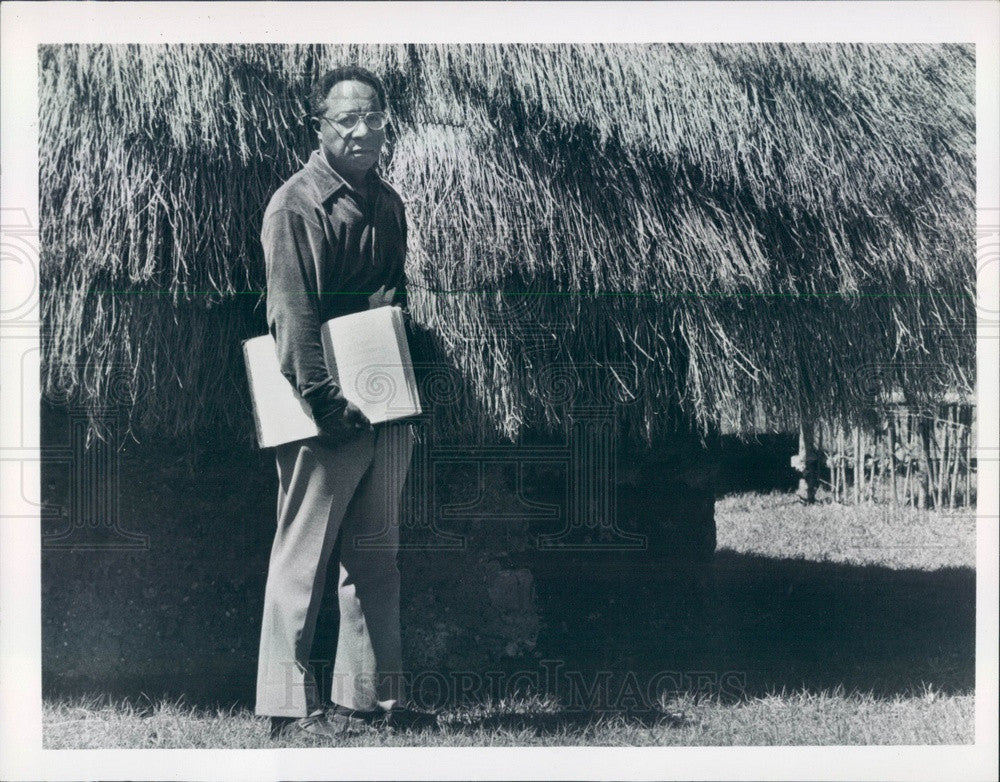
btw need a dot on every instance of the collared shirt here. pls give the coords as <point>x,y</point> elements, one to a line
<point>326,249</point>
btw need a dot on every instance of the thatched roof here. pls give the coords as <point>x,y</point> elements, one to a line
<point>792,223</point>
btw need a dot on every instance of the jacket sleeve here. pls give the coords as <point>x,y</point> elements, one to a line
<point>293,251</point>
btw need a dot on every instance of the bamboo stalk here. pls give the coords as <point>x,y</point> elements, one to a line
<point>835,464</point>
<point>878,471</point>
<point>842,464</point>
<point>907,487</point>
<point>878,466</point>
<point>892,455</point>
<point>858,466</point>
<point>941,449</point>
<point>866,466</point>
<point>912,451</point>
<point>968,459</point>
<point>958,437</point>
<point>926,485</point>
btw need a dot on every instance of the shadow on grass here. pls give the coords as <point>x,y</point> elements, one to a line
<point>752,625</point>
<point>623,632</point>
<point>548,724</point>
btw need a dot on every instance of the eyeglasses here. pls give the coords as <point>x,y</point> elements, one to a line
<point>346,123</point>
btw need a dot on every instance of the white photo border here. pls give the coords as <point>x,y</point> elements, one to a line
<point>25,25</point>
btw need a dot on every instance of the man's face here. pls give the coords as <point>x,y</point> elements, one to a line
<point>350,151</point>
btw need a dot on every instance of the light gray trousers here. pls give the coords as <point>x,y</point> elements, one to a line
<point>353,490</point>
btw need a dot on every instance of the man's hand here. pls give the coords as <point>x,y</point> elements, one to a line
<point>381,298</point>
<point>339,427</point>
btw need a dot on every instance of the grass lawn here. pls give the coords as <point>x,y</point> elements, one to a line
<point>778,525</point>
<point>841,625</point>
<point>790,719</point>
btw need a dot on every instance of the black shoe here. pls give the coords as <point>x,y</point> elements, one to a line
<point>407,718</point>
<point>316,725</point>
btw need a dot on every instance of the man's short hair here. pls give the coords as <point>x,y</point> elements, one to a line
<point>323,85</point>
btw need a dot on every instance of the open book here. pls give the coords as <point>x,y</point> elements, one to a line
<point>368,356</point>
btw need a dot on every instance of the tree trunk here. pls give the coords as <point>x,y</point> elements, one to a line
<point>806,461</point>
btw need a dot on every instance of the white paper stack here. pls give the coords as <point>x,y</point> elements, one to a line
<point>368,356</point>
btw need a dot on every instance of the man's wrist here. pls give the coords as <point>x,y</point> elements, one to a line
<point>332,423</point>
<point>329,410</point>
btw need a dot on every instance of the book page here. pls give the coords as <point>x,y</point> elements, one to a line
<point>280,413</point>
<point>368,354</point>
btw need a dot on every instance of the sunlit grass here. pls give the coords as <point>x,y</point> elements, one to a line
<point>779,719</point>
<point>779,525</point>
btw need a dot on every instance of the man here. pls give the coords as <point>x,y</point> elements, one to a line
<point>334,238</point>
